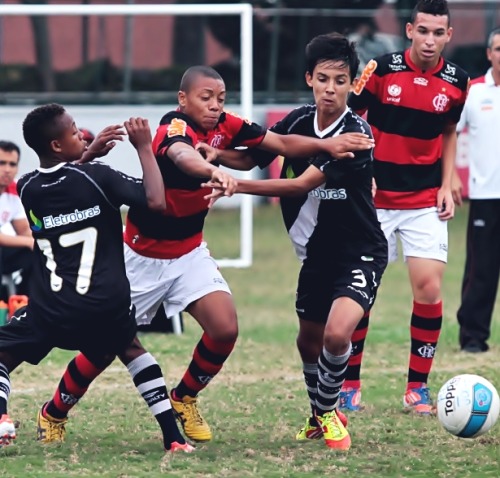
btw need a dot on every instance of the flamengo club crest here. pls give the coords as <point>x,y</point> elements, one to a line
<point>439,102</point>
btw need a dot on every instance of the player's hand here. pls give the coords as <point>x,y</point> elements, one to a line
<point>445,204</point>
<point>216,192</point>
<point>105,141</point>
<point>139,133</point>
<point>224,181</point>
<point>456,188</point>
<point>208,152</point>
<point>344,145</point>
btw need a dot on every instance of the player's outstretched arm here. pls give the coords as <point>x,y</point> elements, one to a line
<point>103,143</point>
<point>140,136</point>
<point>191,162</point>
<point>294,145</point>
<point>238,159</point>
<point>311,178</point>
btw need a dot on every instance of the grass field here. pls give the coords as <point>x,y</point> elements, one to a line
<point>258,402</point>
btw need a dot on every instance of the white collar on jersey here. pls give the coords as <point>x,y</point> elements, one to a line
<point>52,169</point>
<point>322,134</point>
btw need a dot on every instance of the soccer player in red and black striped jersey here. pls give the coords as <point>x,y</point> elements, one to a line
<point>414,99</point>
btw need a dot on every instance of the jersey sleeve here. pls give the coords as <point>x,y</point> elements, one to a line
<point>337,168</point>
<point>174,129</point>
<point>365,92</point>
<point>244,132</point>
<point>264,158</point>
<point>456,110</point>
<point>119,188</point>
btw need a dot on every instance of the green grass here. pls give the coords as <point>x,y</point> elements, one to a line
<point>258,402</point>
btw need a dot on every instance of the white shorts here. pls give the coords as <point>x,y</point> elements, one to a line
<point>174,282</point>
<point>421,231</point>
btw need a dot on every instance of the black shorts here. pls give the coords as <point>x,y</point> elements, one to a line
<point>318,287</point>
<point>101,335</point>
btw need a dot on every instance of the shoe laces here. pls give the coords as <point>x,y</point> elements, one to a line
<point>332,421</point>
<point>56,430</point>
<point>191,409</point>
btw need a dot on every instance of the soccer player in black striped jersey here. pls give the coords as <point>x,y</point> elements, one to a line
<point>414,99</point>
<point>79,294</point>
<point>329,214</point>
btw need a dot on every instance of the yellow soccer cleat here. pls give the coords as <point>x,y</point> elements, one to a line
<point>334,432</point>
<point>309,432</point>
<point>194,425</point>
<point>49,429</point>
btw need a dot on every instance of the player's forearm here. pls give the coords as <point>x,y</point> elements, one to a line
<point>235,159</point>
<point>152,179</point>
<point>6,240</point>
<point>292,145</point>
<point>270,187</point>
<point>193,164</point>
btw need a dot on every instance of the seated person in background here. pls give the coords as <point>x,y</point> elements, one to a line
<point>15,249</point>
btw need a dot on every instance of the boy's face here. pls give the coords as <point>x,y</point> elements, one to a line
<point>428,34</point>
<point>9,164</point>
<point>204,102</point>
<point>70,144</point>
<point>331,83</point>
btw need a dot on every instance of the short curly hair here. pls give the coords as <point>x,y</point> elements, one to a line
<point>41,126</point>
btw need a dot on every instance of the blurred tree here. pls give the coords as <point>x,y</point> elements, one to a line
<point>42,48</point>
<point>189,44</point>
<point>279,44</point>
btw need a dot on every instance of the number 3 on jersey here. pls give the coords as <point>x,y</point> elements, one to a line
<point>88,238</point>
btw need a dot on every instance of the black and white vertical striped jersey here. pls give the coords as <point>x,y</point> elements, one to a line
<point>74,213</point>
<point>335,223</point>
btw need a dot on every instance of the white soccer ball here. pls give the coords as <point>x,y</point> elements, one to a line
<point>468,406</point>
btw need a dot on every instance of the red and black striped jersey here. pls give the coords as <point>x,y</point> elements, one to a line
<point>408,109</point>
<point>180,229</point>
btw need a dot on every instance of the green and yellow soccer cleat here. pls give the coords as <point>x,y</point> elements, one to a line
<point>334,432</point>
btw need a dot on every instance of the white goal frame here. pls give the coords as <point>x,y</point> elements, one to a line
<point>244,10</point>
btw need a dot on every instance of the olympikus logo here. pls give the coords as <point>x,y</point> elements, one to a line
<point>365,76</point>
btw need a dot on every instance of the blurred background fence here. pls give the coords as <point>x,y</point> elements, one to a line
<point>139,59</point>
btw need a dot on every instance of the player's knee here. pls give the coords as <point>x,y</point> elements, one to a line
<point>428,291</point>
<point>309,350</point>
<point>336,341</point>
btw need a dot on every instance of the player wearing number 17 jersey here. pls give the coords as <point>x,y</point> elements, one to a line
<point>80,295</point>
